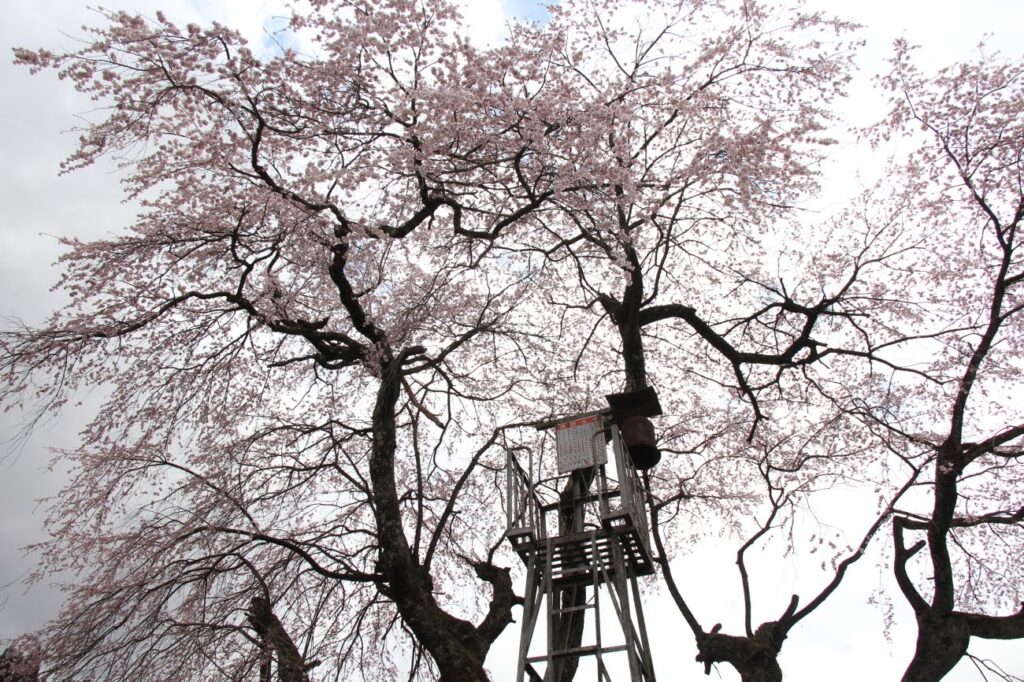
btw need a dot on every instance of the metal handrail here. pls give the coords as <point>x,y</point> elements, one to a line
<point>524,507</point>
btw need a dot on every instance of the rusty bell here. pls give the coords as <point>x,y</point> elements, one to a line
<point>638,437</point>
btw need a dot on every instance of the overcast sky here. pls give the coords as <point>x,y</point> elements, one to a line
<point>843,638</point>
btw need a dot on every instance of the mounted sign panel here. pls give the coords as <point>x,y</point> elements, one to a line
<point>579,443</point>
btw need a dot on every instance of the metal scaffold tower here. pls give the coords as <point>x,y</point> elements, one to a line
<point>582,531</point>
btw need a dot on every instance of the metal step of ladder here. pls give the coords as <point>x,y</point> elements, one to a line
<point>590,564</point>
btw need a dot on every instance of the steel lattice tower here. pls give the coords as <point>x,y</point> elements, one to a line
<point>583,535</point>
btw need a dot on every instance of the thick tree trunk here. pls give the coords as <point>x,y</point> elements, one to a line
<point>457,647</point>
<point>634,363</point>
<point>569,626</point>
<point>941,643</point>
<point>290,665</point>
<point>626,316</point>
<point>754,658</point>
<point>16,667</point>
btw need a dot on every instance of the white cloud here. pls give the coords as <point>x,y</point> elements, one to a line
<point>486,21</point>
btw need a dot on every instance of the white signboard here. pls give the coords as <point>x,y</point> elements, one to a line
<point>578,443</point>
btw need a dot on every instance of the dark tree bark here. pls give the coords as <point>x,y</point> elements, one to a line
<point>626,314</point>
<point>754,658</point>
<point>943,634</point>
<point>755,655</point>
<point>941,643</point>
<point>17,667</point>
<point>457,646</point>
<point>974,144</point>
<point>569,625</point>
<point>290,664</point>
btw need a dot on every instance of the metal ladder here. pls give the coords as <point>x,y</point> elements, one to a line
<point>541,586</point>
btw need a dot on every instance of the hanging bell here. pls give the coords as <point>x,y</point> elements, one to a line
<point>638,437</point>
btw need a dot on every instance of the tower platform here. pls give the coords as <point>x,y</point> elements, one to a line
<point>572,557</point>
